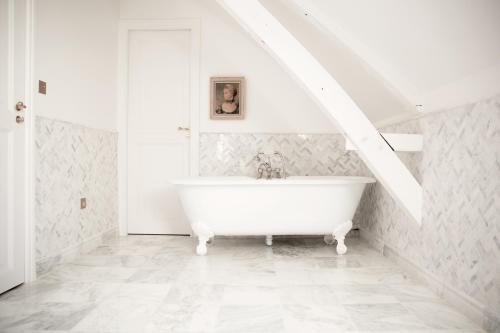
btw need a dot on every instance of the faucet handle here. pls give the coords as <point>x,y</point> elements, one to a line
<point>277,172</point>
<point>258,157</point>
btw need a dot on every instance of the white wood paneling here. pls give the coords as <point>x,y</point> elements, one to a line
<point>14,145</point>
<point>159,90</point>
<point>128,27</point>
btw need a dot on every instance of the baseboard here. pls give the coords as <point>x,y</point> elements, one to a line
<point>45,265</point>
<point>462,302</point>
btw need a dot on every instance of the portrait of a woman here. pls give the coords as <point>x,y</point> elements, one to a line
<point>227,97</point>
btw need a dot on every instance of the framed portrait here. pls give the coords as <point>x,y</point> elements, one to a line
<point>227,97</point>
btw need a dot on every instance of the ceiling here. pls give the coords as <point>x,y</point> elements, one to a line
<point>436,53</point>
<point>392,55</point>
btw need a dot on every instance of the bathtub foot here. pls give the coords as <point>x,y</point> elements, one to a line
<point>340,234</point>
<point>201,249</point>
<point>204,235</point>
<point>269,240</point>
<point>329,239</point>
<point>341,248</point>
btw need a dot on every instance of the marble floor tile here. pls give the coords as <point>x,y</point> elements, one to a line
<point>161,240</point>
<point>251,295</point>
<point>130,261</point>
<point>42,316</point>
<point>126,249</point>
<point>29,292</point>
<point>118,315</point>
<point>184,317</point>
<point>318,295</point>
<point>340,262</point>
<point>297,277</point>
<point>158,284</point>
<point>167,253</point>
<point>155,276</point>
<point>384,316</point>
<point>317,318</point>
<point>184,293</point>
<point>439,315</point>
<point>66,292</point>
<point>363,275</point>
<point>127,310</point>
<point>313,263</point>
<point>72,272</point>
<point>290,250</point>
<point>373,260</point>
<point>364,294</point>
<point>421,331</point>
<point>235,276</point>
<point>233,261</point>
<point>250,318</point>
<point>411,292</point>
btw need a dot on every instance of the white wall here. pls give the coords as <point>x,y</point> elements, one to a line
<point>437,53</point>
<point>274,102</point>
<point>76,46</point>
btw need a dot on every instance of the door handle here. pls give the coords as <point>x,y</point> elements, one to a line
<point>19,119</point>
<point>187,129</point>
<point>20,106</point>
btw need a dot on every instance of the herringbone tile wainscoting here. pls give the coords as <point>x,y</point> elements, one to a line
<point>73,161</point>
<point>458,244</point>
<point>230,154</point>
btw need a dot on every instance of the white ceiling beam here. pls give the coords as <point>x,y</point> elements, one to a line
<point>332,99</point>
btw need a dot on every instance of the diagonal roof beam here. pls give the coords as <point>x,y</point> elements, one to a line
<point>333,100</point>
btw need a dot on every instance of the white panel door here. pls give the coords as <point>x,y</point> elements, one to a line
<point>158,139</point>
<point>12,143</point>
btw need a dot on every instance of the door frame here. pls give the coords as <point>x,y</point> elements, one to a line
<point>29,135</point>
<point>30,264</point>
<point>125,27</point>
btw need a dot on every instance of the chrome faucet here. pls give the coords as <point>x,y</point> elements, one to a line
<point>280,172</point>
<point>266,166</point>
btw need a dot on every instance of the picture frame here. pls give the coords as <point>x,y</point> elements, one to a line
<point>227,98</point>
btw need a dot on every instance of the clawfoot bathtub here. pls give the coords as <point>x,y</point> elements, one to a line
<point>233,206</point>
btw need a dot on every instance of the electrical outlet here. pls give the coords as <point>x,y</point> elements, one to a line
<point>42,87</point>
<point>83,203</point>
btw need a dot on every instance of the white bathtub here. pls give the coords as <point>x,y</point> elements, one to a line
<point>233,206</point>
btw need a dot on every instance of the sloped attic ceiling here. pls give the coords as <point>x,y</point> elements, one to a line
<point>436,53</point>
<point>371,92</point>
